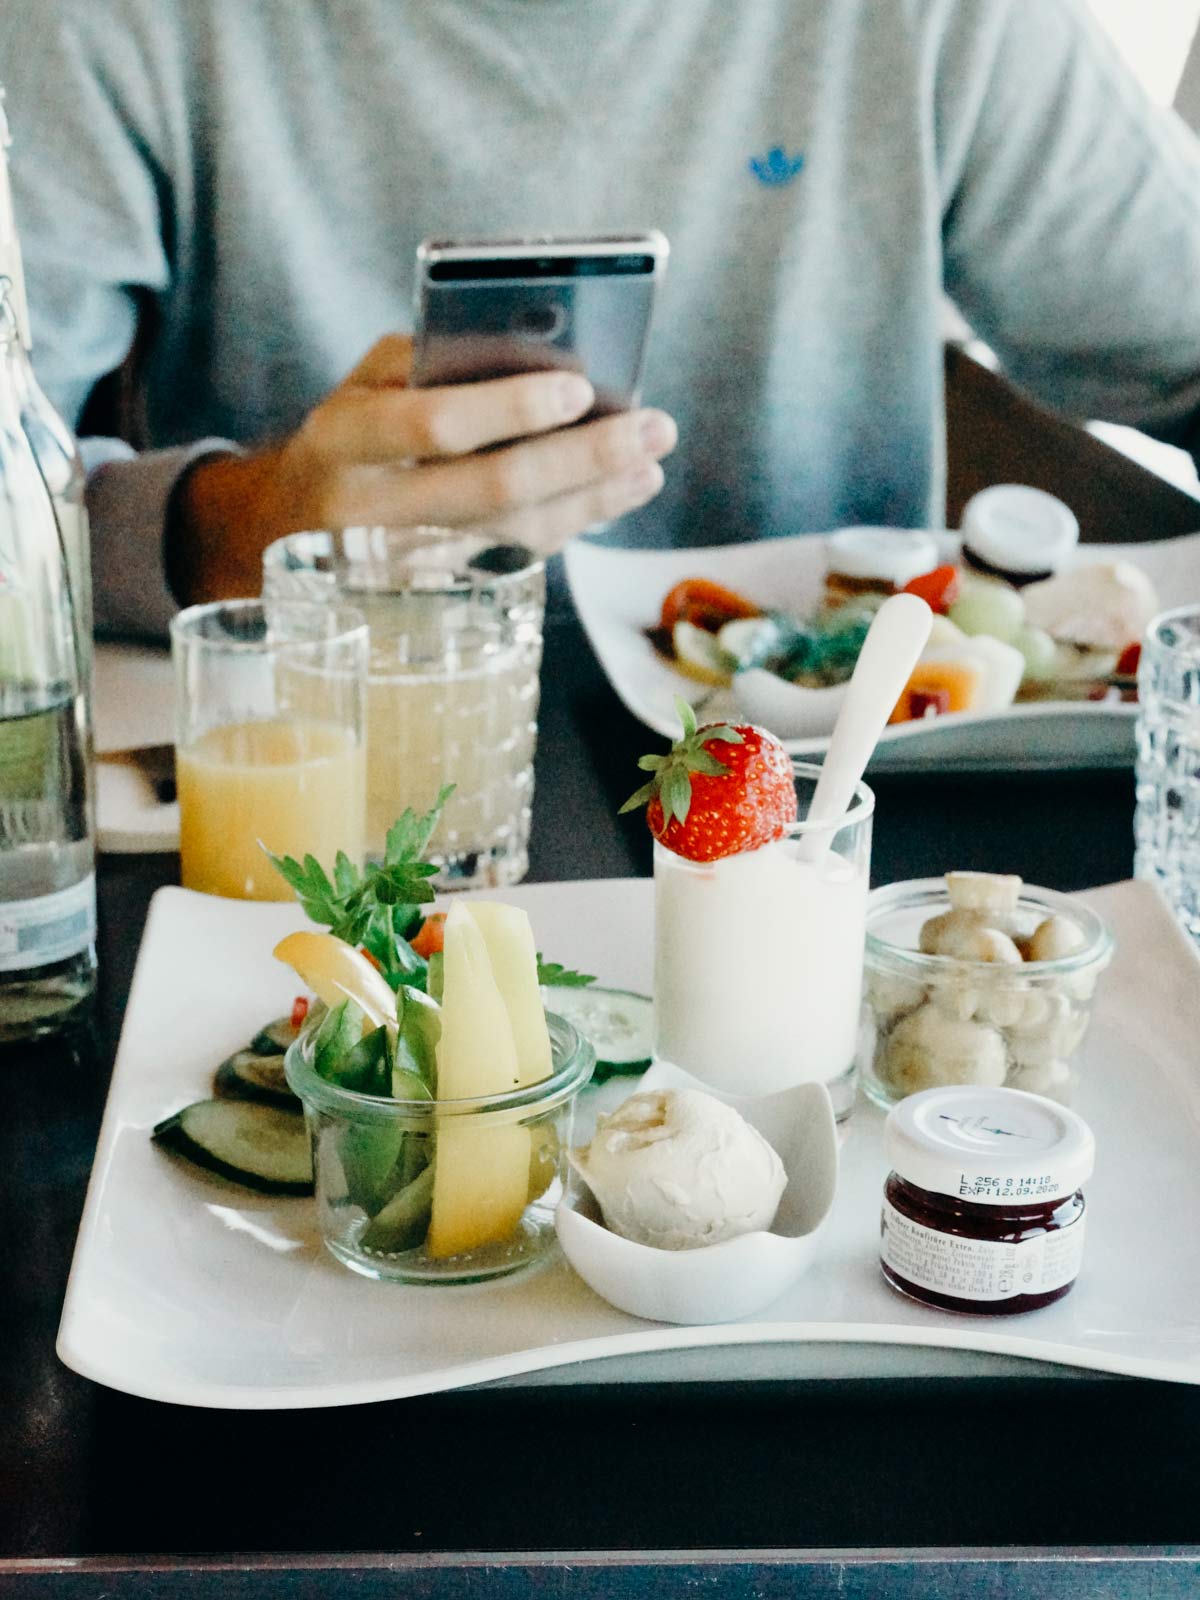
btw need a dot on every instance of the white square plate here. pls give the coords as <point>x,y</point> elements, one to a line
<point>190,1290</point>
<point>619,593</point>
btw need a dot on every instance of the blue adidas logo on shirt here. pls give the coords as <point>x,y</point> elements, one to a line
<point>776,167</point>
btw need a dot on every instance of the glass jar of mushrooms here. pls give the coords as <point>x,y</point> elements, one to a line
<point>977,979</point>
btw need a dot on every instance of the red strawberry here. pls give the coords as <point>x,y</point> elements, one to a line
<point>722,789</point>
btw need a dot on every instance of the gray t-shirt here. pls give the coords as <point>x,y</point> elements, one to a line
<point>242,184</point>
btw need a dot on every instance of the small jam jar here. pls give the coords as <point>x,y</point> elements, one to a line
<point>862,562</point>
<point>983,1209</point>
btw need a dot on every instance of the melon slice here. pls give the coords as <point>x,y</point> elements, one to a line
<point>513,956</point>
<point>481,1175</point>
<point>336,971</point>
<point>480,1187</point>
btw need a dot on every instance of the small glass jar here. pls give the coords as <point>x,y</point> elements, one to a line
<point>983,1211</point>
<point>930,1021</point>
<point>872,563</point>
<point>441,1191</point>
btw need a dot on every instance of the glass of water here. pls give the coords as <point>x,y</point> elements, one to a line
<point>455,627</point>
<point>1167,822</point>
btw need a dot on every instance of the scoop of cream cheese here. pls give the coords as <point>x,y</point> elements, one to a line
<point>677,1169</point>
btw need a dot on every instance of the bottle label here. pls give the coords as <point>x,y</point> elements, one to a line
<point>979,1269</point>
<point>52,927</point>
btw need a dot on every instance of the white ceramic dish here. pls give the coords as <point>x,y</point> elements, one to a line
<point>618,594</point>
<point>189,1290</point>
<point>740,1276</point>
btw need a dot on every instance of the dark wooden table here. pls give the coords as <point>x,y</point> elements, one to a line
<point>743,1488</point>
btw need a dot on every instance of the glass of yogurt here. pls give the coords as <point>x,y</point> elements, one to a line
<point>758,957</point>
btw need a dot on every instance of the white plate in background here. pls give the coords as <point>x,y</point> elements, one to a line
<point>619,594</point>
<point>187,1289</point>
<point>134,708</point>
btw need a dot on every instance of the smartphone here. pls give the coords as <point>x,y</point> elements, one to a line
<point>494,308</point>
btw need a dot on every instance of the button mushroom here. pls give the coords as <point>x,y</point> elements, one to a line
<point>966,936</point>
<point>928,1048</point>
<point>984,891</point>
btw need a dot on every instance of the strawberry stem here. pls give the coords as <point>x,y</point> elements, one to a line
<point>671,780</point>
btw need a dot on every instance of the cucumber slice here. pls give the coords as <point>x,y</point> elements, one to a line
<point>249,1076</point>
<point>258,1146</point>
<point>619,1024</point>
<point>404,1221</point>
<point>275,1038</point>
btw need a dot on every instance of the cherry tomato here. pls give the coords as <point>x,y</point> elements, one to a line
<point>939,588</point>
<point>1128,661</point>
<point>924,703</point>
<point>431,935</point>
<point>705,604</point>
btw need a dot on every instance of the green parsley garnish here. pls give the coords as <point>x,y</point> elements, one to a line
<point>378,907</point>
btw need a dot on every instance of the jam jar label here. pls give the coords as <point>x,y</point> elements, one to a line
<point>979,1269</point>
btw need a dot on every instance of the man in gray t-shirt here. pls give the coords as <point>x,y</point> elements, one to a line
<point>235,188</point>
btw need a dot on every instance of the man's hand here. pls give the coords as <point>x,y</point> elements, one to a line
<point>498,456</point>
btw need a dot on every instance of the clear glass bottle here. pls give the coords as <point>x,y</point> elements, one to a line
<point>47,874</point>
<point>52,441</point>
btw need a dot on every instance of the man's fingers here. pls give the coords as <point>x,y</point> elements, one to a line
<point>548,527</point>
<point>482,488</point>
<point>380,426</point>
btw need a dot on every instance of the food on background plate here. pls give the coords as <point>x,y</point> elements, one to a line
<point>704,604</point>
<point>678,1169</point>
<point>1101,608</point>
<point>747,931</point>
<point>974,1001</point>
<point>999,638</point>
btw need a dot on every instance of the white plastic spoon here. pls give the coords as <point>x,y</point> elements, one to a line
<point>890,651</point>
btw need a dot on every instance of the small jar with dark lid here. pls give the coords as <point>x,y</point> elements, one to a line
<point>983,1211</point>
<point>1016,533</point>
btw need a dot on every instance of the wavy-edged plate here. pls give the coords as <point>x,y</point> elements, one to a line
<point>618,594</point>
<point>187,1289</point>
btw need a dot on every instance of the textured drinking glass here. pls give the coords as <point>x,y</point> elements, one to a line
<point>270,741</point>
<point>452,688</point>
<point>1167,819</point>
<point>758,958</point>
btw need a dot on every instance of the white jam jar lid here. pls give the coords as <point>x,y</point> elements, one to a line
<point>1019,530</point>
<point>991,1147</point>
<point>885,555</point>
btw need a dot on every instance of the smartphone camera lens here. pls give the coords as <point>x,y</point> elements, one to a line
<point>539,322</point>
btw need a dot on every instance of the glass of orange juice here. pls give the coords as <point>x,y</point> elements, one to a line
<point>270,743</point>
